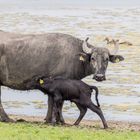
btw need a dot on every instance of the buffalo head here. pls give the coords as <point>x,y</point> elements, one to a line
<point>99,57</point>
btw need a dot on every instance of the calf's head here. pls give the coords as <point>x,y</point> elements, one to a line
<point>98,57</point>
<point>38,82</point>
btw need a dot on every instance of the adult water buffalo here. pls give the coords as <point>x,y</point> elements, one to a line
<point>54,54</point>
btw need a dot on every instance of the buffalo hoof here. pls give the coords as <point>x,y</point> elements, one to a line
<point>7,120</point>
<point>61,122</point>
<point>21,120</point>
<point>48,120</point>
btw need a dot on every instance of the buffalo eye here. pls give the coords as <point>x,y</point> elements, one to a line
<point>93,59</point>
<point>106,59</point>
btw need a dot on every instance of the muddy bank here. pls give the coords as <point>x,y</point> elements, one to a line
<point>118,125</point>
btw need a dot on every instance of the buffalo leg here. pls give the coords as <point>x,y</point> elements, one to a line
<point>48,117</point>
<point>83,111</point>
<point>54,114</point>
<point>97,110</point>
<point>3,116</point>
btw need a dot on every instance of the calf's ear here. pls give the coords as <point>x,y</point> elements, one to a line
<point>41,81</point>
<point>116,58</point>
<point>83,57</point>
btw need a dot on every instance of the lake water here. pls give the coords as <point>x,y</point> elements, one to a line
<point>34,103</point>
<point>120,93</point>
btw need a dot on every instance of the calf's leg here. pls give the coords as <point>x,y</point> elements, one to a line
<point>97,110</point>
<point>87,102</point>
<point>48,117</point>
<point>60,117</point>
<point>83,111</point>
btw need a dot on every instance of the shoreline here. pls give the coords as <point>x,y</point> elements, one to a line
<point>113,125</point>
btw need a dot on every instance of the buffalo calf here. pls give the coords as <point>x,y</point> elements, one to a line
<point>73,90</point>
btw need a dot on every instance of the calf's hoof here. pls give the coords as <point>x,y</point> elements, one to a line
<point>76,124</point>
<point>106,127</point>
<point>52,123</point>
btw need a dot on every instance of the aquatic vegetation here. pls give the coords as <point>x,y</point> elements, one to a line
<point>15,104</point>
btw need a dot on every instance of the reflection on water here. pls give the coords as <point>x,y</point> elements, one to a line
<point>34,103</point>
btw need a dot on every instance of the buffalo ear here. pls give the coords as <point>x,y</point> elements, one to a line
<point>83,57</point>
<point>116,58</point>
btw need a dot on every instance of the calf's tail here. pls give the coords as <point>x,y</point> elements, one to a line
<point>96,94</point>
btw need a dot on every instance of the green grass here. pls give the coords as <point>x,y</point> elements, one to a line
<point>28,131</point>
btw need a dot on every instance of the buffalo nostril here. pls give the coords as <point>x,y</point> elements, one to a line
<point>99,75</point>
<point>99,78</point>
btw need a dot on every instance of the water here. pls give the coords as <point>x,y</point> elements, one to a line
<point>34,103</point>
<point>120,93</point>
<point>25,4</point>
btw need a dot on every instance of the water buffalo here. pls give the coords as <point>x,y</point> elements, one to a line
<point>76,91</point>
<point>52,54</point>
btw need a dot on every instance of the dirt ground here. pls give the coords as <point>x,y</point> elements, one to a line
<point>113,125</point>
